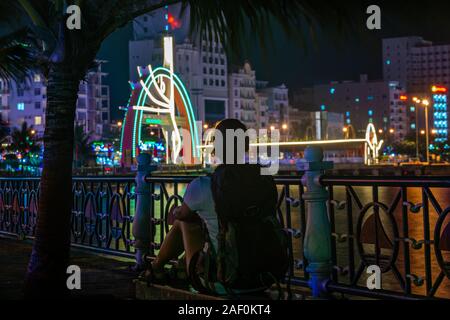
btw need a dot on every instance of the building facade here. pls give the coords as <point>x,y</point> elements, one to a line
<point>416,63</point>
<point>361,102</point>
<point>242,92</point>
<point>27,101</point>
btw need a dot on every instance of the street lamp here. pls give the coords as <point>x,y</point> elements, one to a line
<point>391,131</point>
<point>272,128</point>
<point>426,103</point>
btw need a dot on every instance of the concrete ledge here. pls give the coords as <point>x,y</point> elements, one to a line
<point>157,292</point>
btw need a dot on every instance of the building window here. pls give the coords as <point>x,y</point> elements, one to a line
<point>37,91</point>
<point>37,78</point>
<point>223,83</point>
<point>205,82</point>
<point>37,105</point>
<point>21,106</point>
<point>37,120</point>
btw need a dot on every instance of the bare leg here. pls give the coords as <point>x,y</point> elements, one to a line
<point>182,236</point>
<point>171,247</point>
<point>193,239</point>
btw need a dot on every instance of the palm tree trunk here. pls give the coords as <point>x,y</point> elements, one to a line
<point>46,274</point>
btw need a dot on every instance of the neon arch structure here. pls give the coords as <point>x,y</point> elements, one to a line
<point>160,95</point>
<point>372,145</point>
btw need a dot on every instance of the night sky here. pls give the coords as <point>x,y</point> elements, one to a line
<point>287,61</point>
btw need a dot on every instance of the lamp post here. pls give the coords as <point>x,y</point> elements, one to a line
<point>285,128</point>
<point>426,103</point>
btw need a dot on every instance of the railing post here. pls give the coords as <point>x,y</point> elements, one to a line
<point>317,241</point>
<point>142,221</point>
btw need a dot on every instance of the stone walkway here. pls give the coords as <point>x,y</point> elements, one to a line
<point>102,277</point>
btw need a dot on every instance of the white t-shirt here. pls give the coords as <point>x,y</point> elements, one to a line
<point>198,197</point>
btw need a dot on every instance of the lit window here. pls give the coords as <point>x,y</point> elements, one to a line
<point>412,109</point>
<point>21,106</point>
<point>37,78</point>
<point>413,126</point>
<point>37,120</point>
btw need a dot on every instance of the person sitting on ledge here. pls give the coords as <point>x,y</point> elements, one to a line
<point>227,226</point>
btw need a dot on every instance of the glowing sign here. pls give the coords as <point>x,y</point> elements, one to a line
<point>403,98</point>
<point>437,89</point>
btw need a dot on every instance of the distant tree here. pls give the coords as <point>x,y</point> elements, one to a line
<point>82,150</point>
<point>24,144</point>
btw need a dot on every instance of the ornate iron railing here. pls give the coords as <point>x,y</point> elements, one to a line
<point>399,224</point>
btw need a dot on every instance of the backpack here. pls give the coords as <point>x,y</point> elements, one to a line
<point>252,251</point>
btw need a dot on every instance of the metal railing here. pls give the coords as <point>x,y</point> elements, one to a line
<point>399,224</point>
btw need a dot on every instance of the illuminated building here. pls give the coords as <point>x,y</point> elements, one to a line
<point>27,101</point>
<point>416,63</point>
<point>402,117</point>
<point>440,114</point>
<point>361,102</point>
<point>242,93</point>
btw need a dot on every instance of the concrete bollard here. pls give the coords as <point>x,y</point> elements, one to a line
<point>143,217</point>
<point>317,241</point>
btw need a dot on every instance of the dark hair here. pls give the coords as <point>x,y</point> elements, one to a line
<point>231,124</point>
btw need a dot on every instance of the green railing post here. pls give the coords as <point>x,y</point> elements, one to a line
<point>143,217</point>
<point>317,241</point>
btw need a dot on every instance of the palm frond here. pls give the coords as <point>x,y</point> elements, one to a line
<point>17,56</point>
<point>232,22</point>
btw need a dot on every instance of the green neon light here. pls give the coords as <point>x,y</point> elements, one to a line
<point>134,134</point>
<point>153,121</point>
<point>186,101</point>
<point>141,114</point>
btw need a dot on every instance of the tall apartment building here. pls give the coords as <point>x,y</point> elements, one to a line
<point>256,104</point>
<point>277,105</point>
<point>416,63</point>
<point>27,102</point>
<point>242,93</point>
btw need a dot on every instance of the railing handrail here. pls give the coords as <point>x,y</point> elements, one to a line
<point>387,181</point>
<point>327,180</point>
